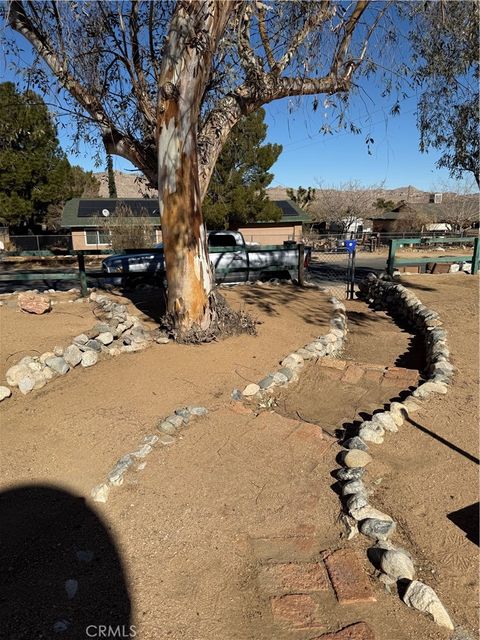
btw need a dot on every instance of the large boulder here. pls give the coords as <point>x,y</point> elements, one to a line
<point>34,302</point>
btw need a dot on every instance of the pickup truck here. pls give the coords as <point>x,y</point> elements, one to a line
<point>233,259</point>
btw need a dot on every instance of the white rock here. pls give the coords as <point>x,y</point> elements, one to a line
<point>89,358</point>
<point>47,373</point>
<point>369,512</point>
<point>426,389</point>
<point>385,420</point>
<point>143,451</point>
<point>16,373</point>
<point>293,361</point>
<point>35,366</point>
<point>72,355</point>
<point>251,389</point>
<point>371,432</point>
<point>45,356</point>
<point>40,380</point>
<point>26,384</point>
<point>423,598</point>
<point>397,564</point>
<point>5,392</point>
<point>105,338</point>
<point>100,493</point>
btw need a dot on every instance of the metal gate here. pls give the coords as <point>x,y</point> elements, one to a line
<point>334,270</point>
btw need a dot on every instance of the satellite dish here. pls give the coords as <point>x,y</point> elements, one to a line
<point>105,213</point>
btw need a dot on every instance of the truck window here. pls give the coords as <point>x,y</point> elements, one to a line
<point>221,240</point>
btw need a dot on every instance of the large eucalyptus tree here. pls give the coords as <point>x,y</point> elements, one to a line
<point>164,83</point>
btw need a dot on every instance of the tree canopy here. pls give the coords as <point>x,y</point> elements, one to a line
<point>35,175</point>
<point>446,64</point>
<point>236,194</point>
<point>164,83</point>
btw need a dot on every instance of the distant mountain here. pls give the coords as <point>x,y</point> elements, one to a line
<point>129,185</point>
<point>409,193</point>
<point>133,185</point>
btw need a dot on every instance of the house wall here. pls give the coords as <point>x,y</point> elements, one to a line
<point>79,240</point>
<point>264,235</point>
<point>271,234</point>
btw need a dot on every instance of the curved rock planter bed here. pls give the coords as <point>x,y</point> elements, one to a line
<point>395,565</point>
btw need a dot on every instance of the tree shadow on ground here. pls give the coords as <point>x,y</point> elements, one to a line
<point>414,285</point>
<point>61,572</point>
<point>467,520</point>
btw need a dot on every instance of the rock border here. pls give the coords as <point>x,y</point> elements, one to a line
<point>168,427</point>
<point>330,344</point>
<point>395,565</point>
<point>116,332</point>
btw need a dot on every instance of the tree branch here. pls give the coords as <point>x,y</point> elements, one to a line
<point>316,18</point>
<point>264,36</point>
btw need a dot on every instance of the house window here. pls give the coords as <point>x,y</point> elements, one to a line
<point>95,237</point>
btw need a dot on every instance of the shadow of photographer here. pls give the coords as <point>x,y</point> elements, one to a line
<point>60,571</point>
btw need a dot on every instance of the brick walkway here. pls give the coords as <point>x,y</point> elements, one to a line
<point>356,372</point>
<point>303,584</point>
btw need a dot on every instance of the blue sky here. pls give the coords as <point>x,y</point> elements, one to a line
<point>308,156</point>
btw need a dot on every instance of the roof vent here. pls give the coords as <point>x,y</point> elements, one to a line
<point>105,213</point>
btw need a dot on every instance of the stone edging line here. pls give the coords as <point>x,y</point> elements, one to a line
<point>394,564</point>
<point>117,332</point>
<point>330,344</point>
<point>327,345</point>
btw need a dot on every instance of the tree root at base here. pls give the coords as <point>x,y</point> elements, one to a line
<point>225,322</point>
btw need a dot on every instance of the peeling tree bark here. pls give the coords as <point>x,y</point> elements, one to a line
<point>194,33</point>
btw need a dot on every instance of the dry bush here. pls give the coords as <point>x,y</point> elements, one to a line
<point>413,221</point>
<point>128,231</point>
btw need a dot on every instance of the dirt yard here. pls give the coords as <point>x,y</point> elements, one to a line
<point>181,548</point>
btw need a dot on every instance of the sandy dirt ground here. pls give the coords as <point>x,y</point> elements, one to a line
<point>426,476</point>
<point>178,548</point>
<point>77,426</point>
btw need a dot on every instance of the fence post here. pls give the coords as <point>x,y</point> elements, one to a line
<point>82,275</point>
<point>301,264</point>
<point>391,255</point>
<point>476,255</point>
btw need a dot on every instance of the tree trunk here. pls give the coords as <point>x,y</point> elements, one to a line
<point>195,29</point>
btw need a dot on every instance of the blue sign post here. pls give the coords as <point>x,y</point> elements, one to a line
<point>351,246</point>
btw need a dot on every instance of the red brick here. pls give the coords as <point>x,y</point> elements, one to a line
<point>373,375</point>
<point>332,363</point>
<point>349,578</point>
<point>333,374</point>
<point>298,548</point>
<point>294,578</point>
<point>298,611</point>
<point>353,374</point>
<point>357,631</point>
